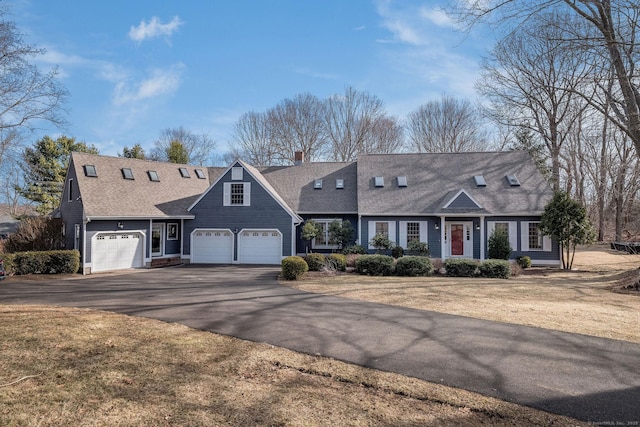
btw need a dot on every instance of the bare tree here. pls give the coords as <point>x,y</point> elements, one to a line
<point>297,125</point>
<point>252,135</point>
<point>449,125</point>
<point>387,137</point>
<point>611,27</point>
<point>198,147</point>
<point>352,124</point>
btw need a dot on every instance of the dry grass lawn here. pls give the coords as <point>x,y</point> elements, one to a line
<point>580,301</point>
<point>75,367</point>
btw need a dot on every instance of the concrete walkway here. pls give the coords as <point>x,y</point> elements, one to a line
<point>592,379</point>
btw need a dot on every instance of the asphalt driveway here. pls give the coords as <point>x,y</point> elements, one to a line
<point>592,379</point>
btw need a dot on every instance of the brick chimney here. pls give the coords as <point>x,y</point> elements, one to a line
<point>299,158</point>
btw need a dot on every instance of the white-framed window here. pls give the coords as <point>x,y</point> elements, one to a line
<point>236,173</point>
<point>323,239</point>
<point>510,227</point>
<point>70,190</point>
<point>237,194</point>
<point>531,239</point>
<point>412,230</point>
<point>172,231</point>
<point>76,236</point>
<point>386,228</point>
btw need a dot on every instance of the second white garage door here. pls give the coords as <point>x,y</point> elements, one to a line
<point>259,247</point>
<point>212,247</point>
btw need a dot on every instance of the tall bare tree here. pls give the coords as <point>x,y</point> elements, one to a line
<point>353,124</point>
<point>448,125</point>
<point>199,147</point>
<point>530,80</point>
<point>252,135</point>
<point>297,125</point>
<point>610,31</point>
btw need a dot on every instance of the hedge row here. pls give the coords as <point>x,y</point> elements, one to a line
<point>42,262</point>
<point>383,265</point>
<point>493,268</point>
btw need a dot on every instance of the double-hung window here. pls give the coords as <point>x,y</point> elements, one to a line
<point>535,237</point>
<point>237,194</point>
<point>323,240</point>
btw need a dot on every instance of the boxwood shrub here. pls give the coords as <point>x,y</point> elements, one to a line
<point>336,262</point>
<point>524,261</point>
<point>42,262</point>
<point>374,265</point>
<point>496,268</point>
<point>414,266</point>
<point>314,261</point>
<point>293,267</point>
<point>461,267</point>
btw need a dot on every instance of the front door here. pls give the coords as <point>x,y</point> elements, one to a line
<point>157,240</point>
<point>457,240</point>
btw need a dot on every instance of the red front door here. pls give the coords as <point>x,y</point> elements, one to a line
<point>457,239</point>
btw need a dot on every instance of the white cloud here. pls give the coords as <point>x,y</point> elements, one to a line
<point>154,28</point>
<point>160,82</point>
<point>438,17</point>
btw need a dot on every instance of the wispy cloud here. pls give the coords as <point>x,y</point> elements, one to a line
<point>410,24</point>
<point>154,28</point>
<point>160,82</point>
<point>360,28</point>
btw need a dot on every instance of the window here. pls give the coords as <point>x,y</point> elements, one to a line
<point>76,237</point>
<point>509,227</point>
<point>535,237</point>
<point>90,170</point>
<point>317,184</point>
<point>153,176</point>
<point>382,228</point>
<point>379,181</point>
<point>480,182</point>
<point>413,232</point>
<point>340,184</point>
<point>200,174</point>
<point>323,239</point>
<point>237,194</point>
<point>236,174</point>
<point>402,181</point>
<point>184,173</point>
<point>172,231</point>
<point>127,173</point>
<point>70,190</point>
<point>502,227</point>
<point>513,180</point>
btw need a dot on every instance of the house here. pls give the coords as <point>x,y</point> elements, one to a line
<point>126,213</point>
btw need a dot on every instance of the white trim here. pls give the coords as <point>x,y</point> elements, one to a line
<point>236,173</point>
<point>212,230</point>
<point>95,235</point>
<point>162,227</point>
<point>70,190</point>
<point>328,221</point>
<point>524,239</point>
<point>391,227</point>
<point>513,232</point>
<point>462,190</point>
<point>402,232</point>
<point>254,230</point>
<point>169,224</point>
<point>467,245</point>
<point>483,238</point>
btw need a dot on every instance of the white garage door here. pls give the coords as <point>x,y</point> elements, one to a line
<point>260,247</point>
<point>211,247</point>
<point>116,251</point>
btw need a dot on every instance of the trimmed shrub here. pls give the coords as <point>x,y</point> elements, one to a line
<point>293,267</point>
<point>499,245</point>
<point>418,248</point>
<point>496,268</point>
<point>44,262</point>
<point>381,243</point>
<point>524,261</point>
<point>315,261</point>
<point>354,250</point>
<point>461,267</point>
<point>336,262</point>
<point>414,266</point>
<point>374,265</point>
<point>351,260</point>
<point>397,252</point>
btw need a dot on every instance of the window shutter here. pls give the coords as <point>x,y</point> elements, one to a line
<point>392,231</point>
<point>247,194</point>
<point>524,236</point>
<point>226,194</point>
<point>423,231</point>
<point>513,235</point>
<point>546,244</point>
<point>403,234</point>
<point>372,232</point>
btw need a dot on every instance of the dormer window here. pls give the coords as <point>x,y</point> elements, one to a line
<point>340,184</point>
<point>317,184</point>
<point>379,181</point>
<point>184,173</point>
<point>402,181</point>
<point>90,170</point>
<point>127,173</point>
<point>200,174</point>
<point>153,176</point>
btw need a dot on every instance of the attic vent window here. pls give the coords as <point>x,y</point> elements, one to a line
<point>90,170</point>
<point>379,181</point>
<point>402,181</point>
<point>480,182</point>
<point>184,173</point>
<point>340,184</point>
<point>153,176</point>
<point>200,174</point>
<point>513,181</point>
<point>127,173</point>
<point>317,184</point>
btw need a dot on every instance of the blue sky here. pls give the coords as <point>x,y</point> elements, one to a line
<point>134,68</point>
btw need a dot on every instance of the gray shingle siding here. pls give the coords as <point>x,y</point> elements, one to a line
<point>263,213</point>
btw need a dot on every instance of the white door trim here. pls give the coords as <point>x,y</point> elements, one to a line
<point>159,226</point>
<point>467,236</point>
